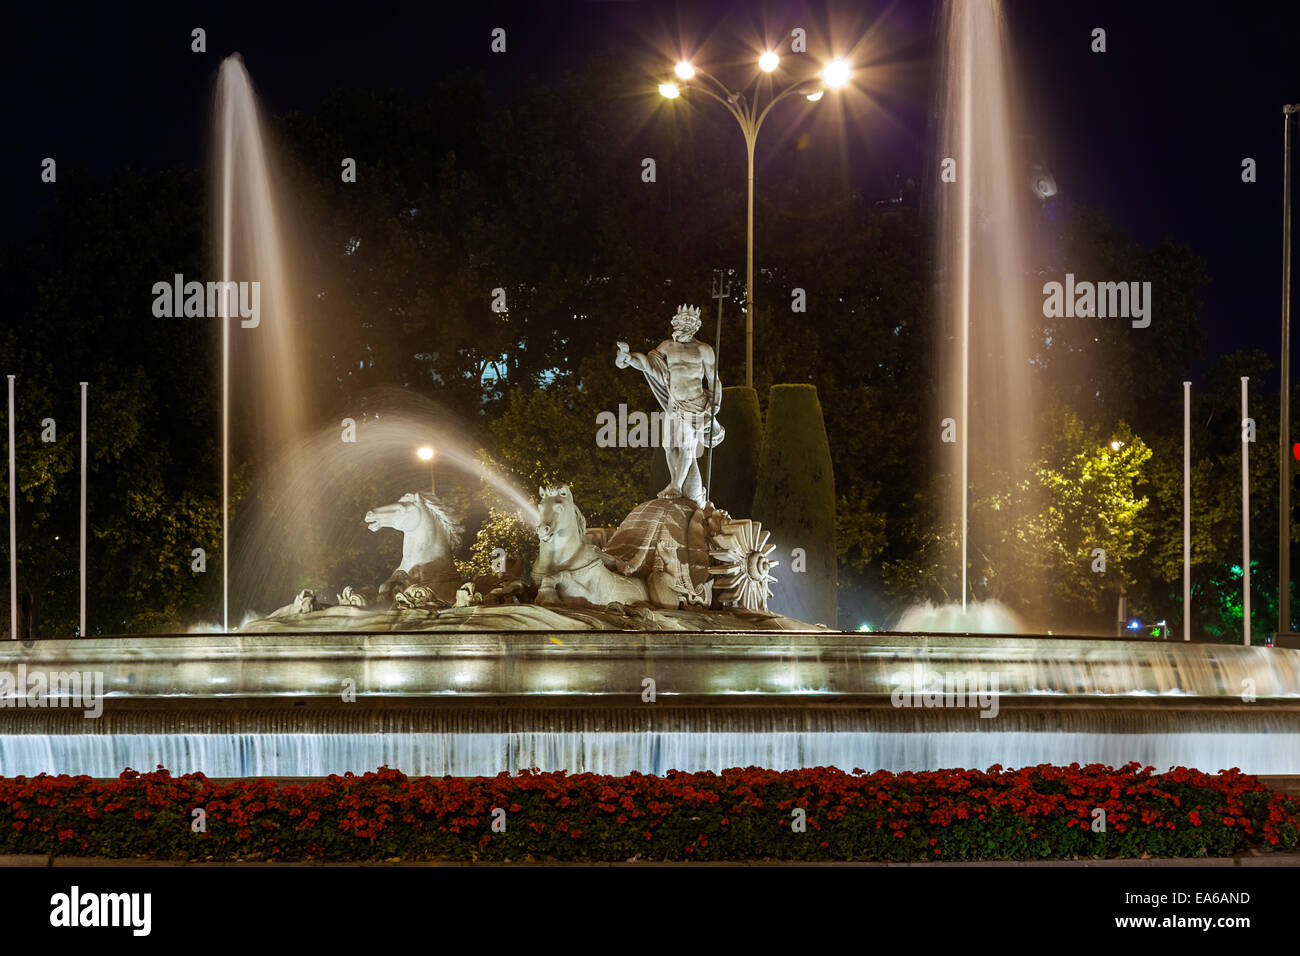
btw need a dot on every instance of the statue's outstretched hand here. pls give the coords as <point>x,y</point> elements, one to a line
<point>624,358</point>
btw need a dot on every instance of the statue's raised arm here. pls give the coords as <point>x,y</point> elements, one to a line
<point>626,358</point>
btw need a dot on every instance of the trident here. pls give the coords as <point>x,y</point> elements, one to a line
<point>721,288</point>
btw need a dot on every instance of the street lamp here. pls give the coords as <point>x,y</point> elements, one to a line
<point>837,73</point>
<point>425,453</point>
<point>749,113</point>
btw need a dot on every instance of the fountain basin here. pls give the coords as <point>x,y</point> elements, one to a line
<point>478,703</point>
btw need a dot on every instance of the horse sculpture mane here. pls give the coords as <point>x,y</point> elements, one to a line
<point>435,506</point>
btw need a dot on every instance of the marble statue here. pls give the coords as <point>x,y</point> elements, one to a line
<point>570,569</point>
<point>357,597</point>
<point>671,556</point>
<point>429,536</point>
<point>669,559</point>
<point>666,554</point>
<point>683,376</point>
<point>306,602</point>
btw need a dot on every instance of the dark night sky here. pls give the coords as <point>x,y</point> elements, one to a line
<point>1153,132</point>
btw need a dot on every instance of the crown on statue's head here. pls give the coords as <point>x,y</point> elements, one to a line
<point>687,317</point>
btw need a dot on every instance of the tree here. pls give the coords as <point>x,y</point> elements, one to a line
<point>1078,550</point>
<point>548,436</point>
<point>795,501</point>
<point>503,538</point>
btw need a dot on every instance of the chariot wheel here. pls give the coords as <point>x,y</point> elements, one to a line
<point>743,564</point>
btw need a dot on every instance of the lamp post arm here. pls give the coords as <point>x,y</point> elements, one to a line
<point>722,87</point>
<point>744,120</point>
<point>797,90</point>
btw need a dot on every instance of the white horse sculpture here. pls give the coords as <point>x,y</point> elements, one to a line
<point>429,536</point>
<point>572,571</point>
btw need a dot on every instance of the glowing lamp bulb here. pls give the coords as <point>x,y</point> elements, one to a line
<point>425,453</point>
<point>814,97</point>
<point>684,69</point>
<point>768,61</point>
<point>669,91</point>
<point>836,74</point>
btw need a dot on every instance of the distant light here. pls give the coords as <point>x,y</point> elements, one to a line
<point>1116,445</point>
<point>684,69</point>
<point>669,91</point>
<point>425,453</point>
<point>864,626</point>
<point>768,61</point>
<point>816,96</point>
<point>837,73</point>
<point>1134,624</point>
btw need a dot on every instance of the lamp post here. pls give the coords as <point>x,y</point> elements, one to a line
<point>13,525</point>
<point>1284,463</point>
<point>1187,511</point>
<point>81,627</point>
<point>1121,605</point>
<point>1245,515</point>
<point>750,113</point>
<point>425,453</point>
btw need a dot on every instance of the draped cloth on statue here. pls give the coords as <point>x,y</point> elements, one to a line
<point>690,422</point>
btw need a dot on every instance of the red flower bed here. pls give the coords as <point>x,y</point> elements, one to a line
<point>816,814</point>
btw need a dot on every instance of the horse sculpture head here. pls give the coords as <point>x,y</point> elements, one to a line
<point>429,536</point>
<point>558,514</point>
<point>413,512</point>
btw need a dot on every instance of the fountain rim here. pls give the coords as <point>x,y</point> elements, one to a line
<point>818,631</point>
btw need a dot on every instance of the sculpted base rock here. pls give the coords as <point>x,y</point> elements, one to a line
<point>522,617</point>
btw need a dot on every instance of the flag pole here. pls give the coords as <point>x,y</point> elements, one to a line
<point>13,525</point>
<point>1187,511</point>
<point>81,632</point>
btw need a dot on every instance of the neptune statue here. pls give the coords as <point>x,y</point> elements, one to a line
<point>683,376</point>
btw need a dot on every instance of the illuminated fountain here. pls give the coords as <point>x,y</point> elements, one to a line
<point>477,703</point>
<point>432,687</point>
<point>983,293</point>
<point>305,526</point>
<point>254,249</point>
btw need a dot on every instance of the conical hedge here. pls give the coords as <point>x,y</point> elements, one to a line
<point>795,500</point>
<point>735,461</point>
